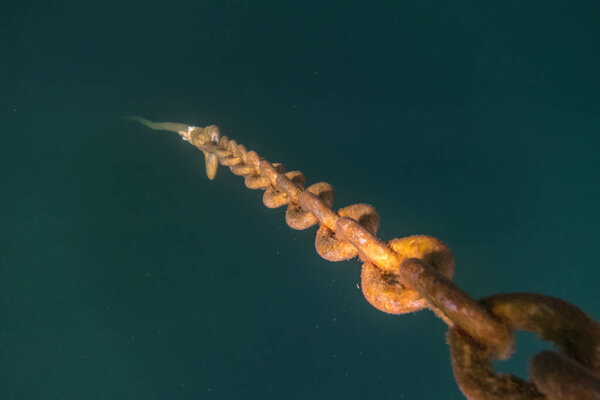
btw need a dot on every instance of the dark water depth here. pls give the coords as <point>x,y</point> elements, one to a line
<point>126,274</point>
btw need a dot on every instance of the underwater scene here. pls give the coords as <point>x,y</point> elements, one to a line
<point>138,259</point>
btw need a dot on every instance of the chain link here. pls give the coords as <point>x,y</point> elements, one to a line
<point>409,274</point>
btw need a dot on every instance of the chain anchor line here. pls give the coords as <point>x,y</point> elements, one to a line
<point>409,274</point>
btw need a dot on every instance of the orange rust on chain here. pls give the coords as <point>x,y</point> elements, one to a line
<point>300,218</point>
<point>576,335</point>
<point>408,274</point>
<point>383,288</point>
<point>313,204</point>
<point>563,378</point>
<point>332,247</point>
<point>457,305</point>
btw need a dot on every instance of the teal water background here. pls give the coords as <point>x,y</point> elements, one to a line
<point>126,274</point>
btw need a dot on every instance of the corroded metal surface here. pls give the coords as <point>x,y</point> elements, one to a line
<point>408,274</point>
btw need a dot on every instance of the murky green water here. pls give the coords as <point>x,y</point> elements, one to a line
<point>126,274</point>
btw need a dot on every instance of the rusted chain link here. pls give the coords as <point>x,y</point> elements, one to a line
<point>409,274</point>
<point>571,375</point>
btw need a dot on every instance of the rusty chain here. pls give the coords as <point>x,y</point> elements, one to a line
<point>409,274</point>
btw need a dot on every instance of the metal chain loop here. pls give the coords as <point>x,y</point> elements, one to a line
<point>386,291</point>
<point>572,331</point>
<point>408,274</point>
<point>561,378</point>
<point>331,247</point>
<point>275,198</point>
<point>297,218</point>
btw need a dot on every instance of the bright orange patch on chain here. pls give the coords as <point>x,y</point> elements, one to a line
<point>387,293</point>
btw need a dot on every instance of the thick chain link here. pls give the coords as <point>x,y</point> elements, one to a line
<point>409,274</point>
